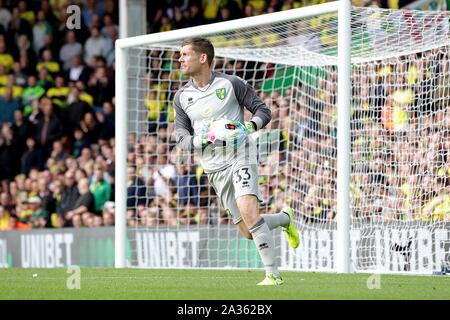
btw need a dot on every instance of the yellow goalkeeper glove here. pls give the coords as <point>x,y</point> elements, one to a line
<point>251,126</point>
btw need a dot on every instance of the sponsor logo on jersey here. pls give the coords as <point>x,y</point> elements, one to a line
<point>221,93</point>
<point>207,113</point>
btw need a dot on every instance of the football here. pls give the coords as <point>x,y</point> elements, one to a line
<point>227,132</point>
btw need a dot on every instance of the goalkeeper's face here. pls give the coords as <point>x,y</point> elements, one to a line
<point>191,61</point>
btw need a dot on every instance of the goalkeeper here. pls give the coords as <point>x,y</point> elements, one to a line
<point>232,172</point>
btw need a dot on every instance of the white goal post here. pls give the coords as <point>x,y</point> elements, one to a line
<point>351,86</point>
<point>343,7</point>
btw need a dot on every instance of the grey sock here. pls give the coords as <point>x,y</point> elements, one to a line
<point>264,243</point>
<point>275,220</point>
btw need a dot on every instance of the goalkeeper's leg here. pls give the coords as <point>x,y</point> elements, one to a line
<point>248,207</point>
<point>285,220</point>
<point>239,194</point>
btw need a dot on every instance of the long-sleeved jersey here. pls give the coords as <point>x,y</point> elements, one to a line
<point>224,97</point>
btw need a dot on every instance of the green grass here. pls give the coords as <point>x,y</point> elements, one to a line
<point>171,284</point>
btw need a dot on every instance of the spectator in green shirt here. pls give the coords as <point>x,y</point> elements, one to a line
<point>100,188</point>
<point>32,92</point>
<point>39,216</point>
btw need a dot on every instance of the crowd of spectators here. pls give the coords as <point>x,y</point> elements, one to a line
<point>400,124</point>
<point>399,144</point>
<point>400,167</point>
<point>57,104</point>
<point>175,14</point>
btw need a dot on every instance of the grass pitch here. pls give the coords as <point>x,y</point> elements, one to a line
<point>170,284</point>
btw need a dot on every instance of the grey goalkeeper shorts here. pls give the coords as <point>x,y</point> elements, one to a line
<point>235,181</point>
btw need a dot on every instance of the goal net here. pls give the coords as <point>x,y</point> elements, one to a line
<point>399,119</point>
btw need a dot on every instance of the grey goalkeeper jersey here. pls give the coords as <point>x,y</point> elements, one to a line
<point>225,97</point>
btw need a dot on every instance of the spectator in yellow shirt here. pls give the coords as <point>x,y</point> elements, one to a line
<point>438,208</point>
<point>48,63</point>
<point>26,14</point>
<point>6,59</point>
<point>11,91</point>
<point>154,108</point>
<point>211,9</point>
<point>59,93</point>
<point>4,219</point>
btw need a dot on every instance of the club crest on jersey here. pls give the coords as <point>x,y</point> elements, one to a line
<point>221,93</point>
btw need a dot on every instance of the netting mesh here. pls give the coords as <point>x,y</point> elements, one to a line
<point>400,199</point>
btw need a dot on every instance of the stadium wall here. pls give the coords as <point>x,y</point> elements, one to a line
<point>384,249</point>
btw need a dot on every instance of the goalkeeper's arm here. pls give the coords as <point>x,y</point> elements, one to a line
<point>261,112</point>
<point>186,140</point>
<point>247,97</point>
<point>184,132</point>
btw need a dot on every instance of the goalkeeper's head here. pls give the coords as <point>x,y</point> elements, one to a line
<point>196,55</point>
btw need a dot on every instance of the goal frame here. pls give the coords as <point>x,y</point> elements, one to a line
<point>343,9</point>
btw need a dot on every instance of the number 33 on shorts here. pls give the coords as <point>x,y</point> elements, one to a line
<point>242,176</point>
